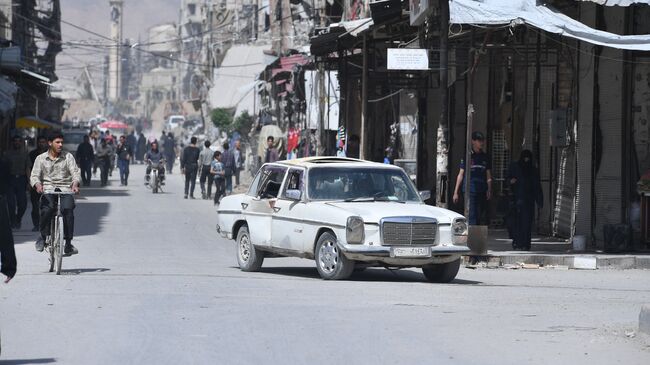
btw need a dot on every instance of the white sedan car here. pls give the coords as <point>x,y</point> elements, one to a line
<point>344,214</point>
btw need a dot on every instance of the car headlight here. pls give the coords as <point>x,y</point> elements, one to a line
<point>355,232</point>
<point>459,227</point>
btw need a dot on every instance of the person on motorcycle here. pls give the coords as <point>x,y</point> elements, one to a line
<point>154,158</point>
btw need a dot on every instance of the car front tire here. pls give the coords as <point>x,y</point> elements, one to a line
<point>331,263</point>
<point>441,273</point>
<point>249,258</point>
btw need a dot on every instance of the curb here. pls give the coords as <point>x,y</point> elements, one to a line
<point>644,319</point>
<point>584,262</point>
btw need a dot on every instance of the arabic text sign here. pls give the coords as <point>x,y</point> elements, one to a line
<point>408,59</point>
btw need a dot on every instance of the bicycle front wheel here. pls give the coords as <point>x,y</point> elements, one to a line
<point>58,246</point>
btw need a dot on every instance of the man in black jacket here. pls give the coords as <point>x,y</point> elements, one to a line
<point>41,147</point>
<point>124,153</point>
<point>190,166</point>
<point>7,253</point>
<point>85,157</point>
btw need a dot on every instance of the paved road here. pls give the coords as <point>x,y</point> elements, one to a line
<point>155,285</point>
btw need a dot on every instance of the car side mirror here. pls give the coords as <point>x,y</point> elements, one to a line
<point>425,195</point>
<point>292,194</point>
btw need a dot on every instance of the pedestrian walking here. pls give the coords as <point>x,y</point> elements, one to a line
<point>239,161</point>
<point>124,153</point>
<point>17,159</point>
<point>480,183</point>
<point>41,147</point>
<point>7,252</point>
<point>205,159</point>
<point>526,190</point>
<point>228,161</point>
<point>217,172</point>
<point>271,152</point>
<point>85,157</point>
<point>111,156</point>
<point>170,151</point>
<point>190,166</point>
<point>141,149</point>
<point>104,153</point>
<point>132,142</point>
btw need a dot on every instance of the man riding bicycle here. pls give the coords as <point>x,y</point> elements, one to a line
<point>154,158</point>
<point>56,170</point>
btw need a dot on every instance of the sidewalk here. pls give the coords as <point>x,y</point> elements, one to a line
<point>548,252</point>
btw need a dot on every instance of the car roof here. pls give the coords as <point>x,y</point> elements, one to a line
<point>332,160</point>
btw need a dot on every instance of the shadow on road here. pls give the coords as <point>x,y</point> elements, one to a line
<point>89,218</point>
<point>28,361</point>
<point>368,275</point>
<point>94,192</point>
<point>83,271</point>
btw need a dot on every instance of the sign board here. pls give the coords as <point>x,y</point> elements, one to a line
<point>407,59</point>
<point>419,10</point>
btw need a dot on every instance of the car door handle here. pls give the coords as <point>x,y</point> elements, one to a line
<point>277,209</point>
<point>244,206</point>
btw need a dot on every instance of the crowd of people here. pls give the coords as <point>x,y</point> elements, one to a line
<point>213,167</point>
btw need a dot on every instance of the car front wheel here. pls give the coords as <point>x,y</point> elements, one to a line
<point>330,261</point>
<point>249,258</point>
<point>441,273</point>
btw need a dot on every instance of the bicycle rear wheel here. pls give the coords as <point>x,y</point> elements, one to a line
<point>58,246</point>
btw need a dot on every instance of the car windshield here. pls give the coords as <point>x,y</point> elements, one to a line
<point>73,138</point>
<point>361,184</point>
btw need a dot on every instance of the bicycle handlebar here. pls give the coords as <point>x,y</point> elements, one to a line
<point>58,192</point>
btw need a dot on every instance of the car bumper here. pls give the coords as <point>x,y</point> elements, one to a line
<point>439,254</point>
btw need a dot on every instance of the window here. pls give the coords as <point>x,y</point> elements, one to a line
<point>191,8</point>
<point>295,181</point>
<point>335,183</point>
<point>267,182</point>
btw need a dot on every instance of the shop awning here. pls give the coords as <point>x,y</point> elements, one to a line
<point>235,79</point>
<point>34,122</point>
<point>617,2</point>
<point>289,63</point>
<point>337,35</point>
<point>516,12</point>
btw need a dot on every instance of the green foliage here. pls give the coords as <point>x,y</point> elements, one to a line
<point>243,123</point>
<point>222,119</point>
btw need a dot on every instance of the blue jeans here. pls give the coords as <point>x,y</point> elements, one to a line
<point>228,184</point>
<point>123,165</point>
<point>477,204</point>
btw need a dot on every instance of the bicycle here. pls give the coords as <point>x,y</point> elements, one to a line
<point>55,241</point>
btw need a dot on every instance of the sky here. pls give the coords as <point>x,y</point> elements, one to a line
<point>94,15</point>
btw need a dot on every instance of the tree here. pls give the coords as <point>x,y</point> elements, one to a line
<point>243,123</point>
<point>222,119</point>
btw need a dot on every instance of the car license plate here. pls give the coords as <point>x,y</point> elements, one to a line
<point>410,252</point>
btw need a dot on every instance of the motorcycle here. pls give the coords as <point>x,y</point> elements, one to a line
<point>155,179</point>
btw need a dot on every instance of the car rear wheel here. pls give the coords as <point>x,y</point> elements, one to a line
<point>249,258</point>
<point>441,273</point>
<point>331,263</point>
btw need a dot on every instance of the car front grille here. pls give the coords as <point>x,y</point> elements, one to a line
<point>408,231</point>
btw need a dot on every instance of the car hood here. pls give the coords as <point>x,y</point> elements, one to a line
<point>373,212</point>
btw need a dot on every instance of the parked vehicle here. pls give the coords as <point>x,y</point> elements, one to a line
<point>343,213</point>
<point>174,121</point>
<point>72,138</point>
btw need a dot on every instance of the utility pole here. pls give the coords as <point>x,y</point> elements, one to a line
<point>364,100</point>
<point>442,160</point>
<point>321,93</point>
